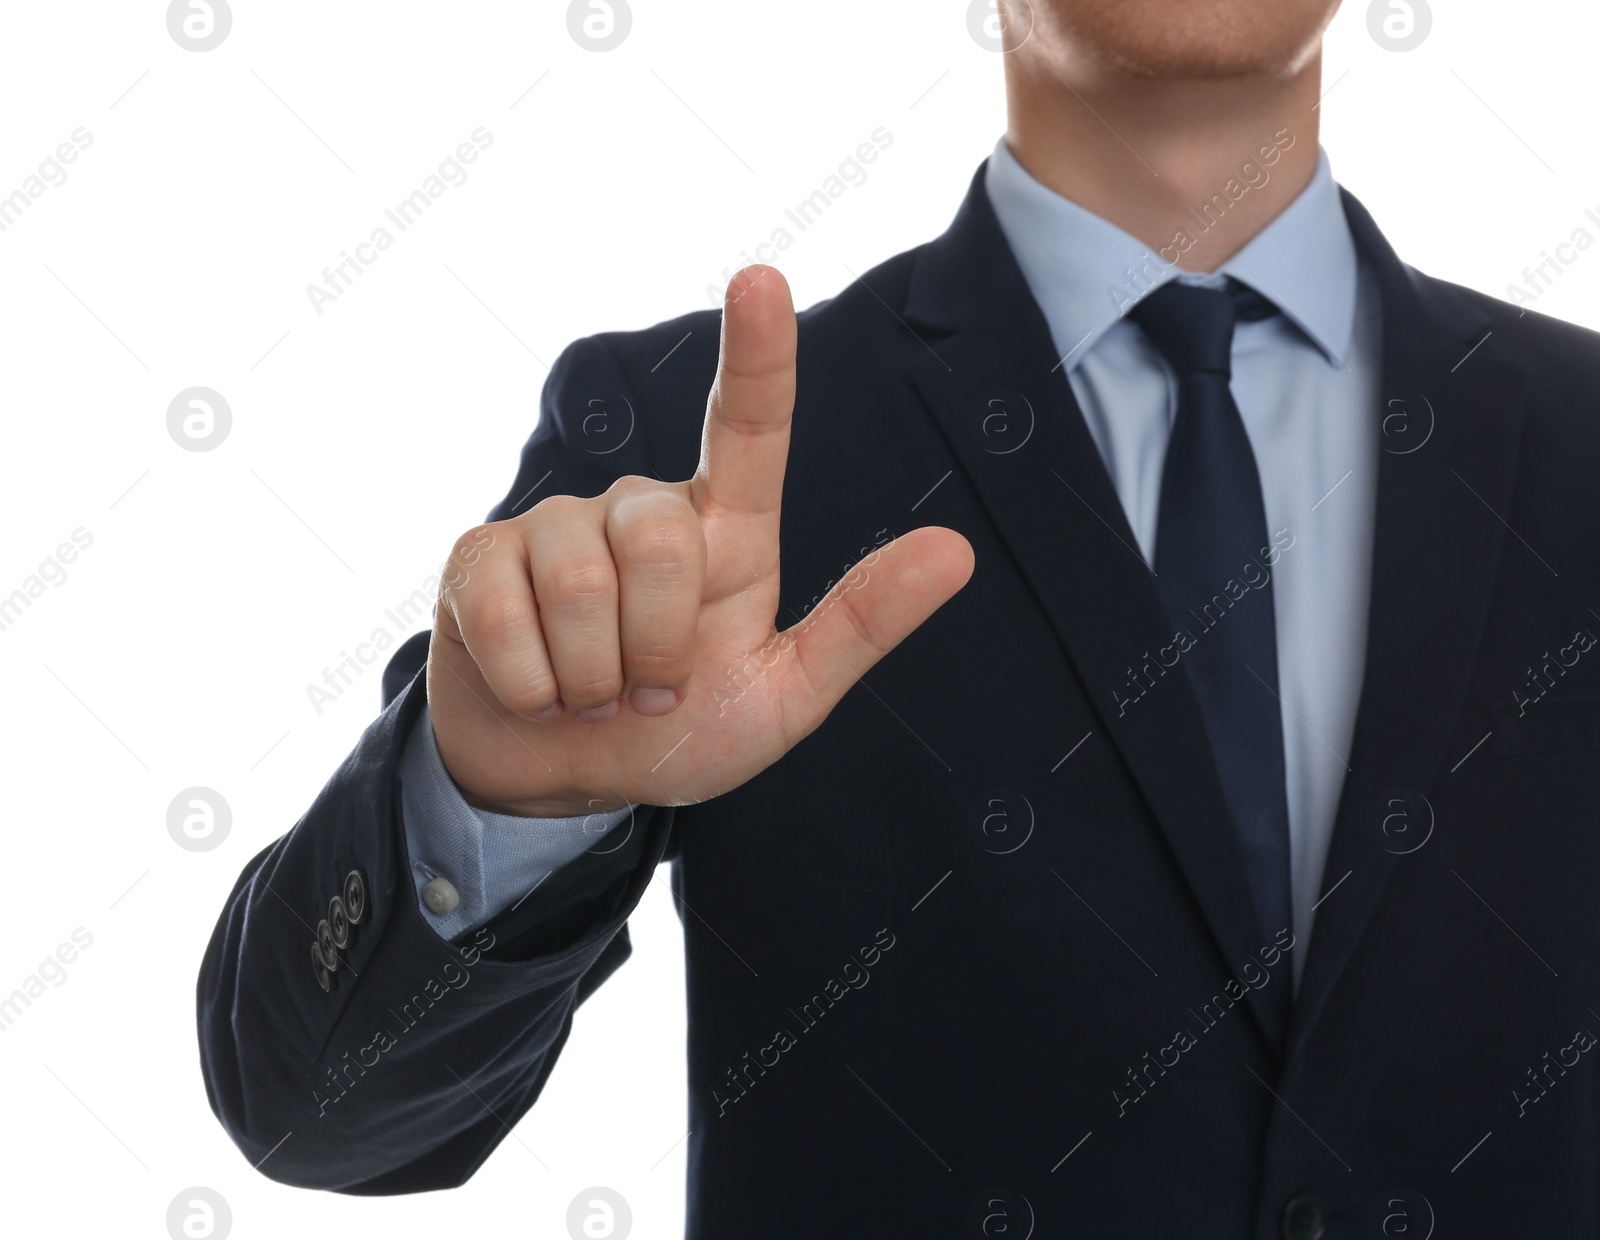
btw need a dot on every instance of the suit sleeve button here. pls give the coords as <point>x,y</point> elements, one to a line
<point>355,897</point>
<point>328,944</point>
<point>440,895</point>
<point>320,968</point>
<point>1304,1218</point>
<point>339,920</point>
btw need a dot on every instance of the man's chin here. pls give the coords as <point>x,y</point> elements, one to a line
<point>1203,41</point>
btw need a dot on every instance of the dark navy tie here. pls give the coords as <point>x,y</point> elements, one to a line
<point>1211,544</point>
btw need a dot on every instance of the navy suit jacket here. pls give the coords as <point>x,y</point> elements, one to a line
<point>942,977</point>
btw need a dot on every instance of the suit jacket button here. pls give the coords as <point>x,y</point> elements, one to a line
<point>1304,1218</point>
<point>320,968</point>
<point>355,897</point>
<point>440,895</point>
<point>328,944</point>
<point>339,922</point>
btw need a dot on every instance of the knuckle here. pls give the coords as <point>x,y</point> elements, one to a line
<point>586,580</point>
<point>632,484</point>
<point>591,688</point>
<point>658,539</point>
<point>501,618</point>
<point>531,695</point>
<point>466,554</point>
<point>860,623</point>
<point>471,546</point>
<point>658,663</point>
<point>556,510</point>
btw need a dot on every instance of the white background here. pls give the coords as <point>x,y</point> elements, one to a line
<point>218,585</point>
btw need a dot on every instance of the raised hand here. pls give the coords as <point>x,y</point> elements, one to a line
<point>591,653</point>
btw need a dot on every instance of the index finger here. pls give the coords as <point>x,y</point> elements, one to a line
<point>745,444</point>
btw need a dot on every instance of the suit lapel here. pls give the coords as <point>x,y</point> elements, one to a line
<point>1452,418</point>
<point>989,374</point>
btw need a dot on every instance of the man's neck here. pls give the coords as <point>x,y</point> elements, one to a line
<point>1194,169</point>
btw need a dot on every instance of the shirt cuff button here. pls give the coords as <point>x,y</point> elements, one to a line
<point>440,895</point>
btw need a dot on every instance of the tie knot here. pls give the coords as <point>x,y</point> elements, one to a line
<point>1191,326</point>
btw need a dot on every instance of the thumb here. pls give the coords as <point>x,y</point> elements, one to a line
<point>869,613</point>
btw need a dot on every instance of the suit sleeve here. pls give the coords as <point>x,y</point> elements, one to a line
<point>345,1044</point>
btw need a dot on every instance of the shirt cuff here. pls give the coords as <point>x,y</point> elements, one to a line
<point>493,861</point>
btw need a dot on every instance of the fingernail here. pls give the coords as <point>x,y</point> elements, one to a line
<point>598,714</point>
<point>550,712</point>
<point>653,701</point>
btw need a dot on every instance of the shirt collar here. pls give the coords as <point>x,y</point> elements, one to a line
<point>1086,273</point>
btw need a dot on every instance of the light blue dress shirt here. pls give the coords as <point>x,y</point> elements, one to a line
<point>1306,383</point>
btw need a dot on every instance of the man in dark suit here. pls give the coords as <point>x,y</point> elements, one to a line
<point>1211,849</point>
